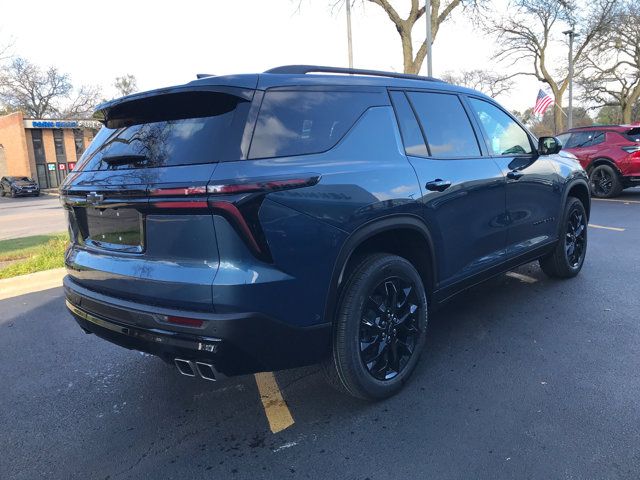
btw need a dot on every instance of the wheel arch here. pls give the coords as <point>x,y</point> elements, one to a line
<point>603,161</point>
<point>383,235</point>
<point>579,189</point>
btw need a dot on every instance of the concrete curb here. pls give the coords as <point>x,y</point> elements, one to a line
<point>33,282</point>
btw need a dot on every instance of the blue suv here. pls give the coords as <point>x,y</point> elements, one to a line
<point>259,222</point>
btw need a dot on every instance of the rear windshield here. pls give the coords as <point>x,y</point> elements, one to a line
<point>633,134</point>
<point>307,121</point>
<point>201,128</point>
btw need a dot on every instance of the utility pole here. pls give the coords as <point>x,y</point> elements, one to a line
<point>349,43</point>
<point>427,15</point>
<point>572,34</point>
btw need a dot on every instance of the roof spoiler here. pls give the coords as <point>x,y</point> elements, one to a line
<point>185,101</point>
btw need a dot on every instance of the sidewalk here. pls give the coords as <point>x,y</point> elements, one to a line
<point>33,282</point>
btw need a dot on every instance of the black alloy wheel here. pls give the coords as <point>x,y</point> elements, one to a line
<point>389,328</point>
<point>380,327</point>
<point>567,257</point>
<point>576,238</point>
<point>605,182</point>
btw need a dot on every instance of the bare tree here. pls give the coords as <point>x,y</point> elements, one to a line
<point>6,45</point>
<point>544,126</point>
<point>126,84</point>
<point>491,83</point>
<point>440,12</point>
<point>611,114</point>
<point>82,103</point>
<point>42,93</point>
<point>531,28</point>
<point>612,73</point>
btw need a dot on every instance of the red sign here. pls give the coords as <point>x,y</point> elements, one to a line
<point>72,165</point>
<point>62,166</point>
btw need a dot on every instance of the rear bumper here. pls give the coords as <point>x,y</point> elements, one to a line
<point>24,193</point>
<point>235,344</point>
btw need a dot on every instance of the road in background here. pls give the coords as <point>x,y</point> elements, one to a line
<point>522,377</point>
<point>26,216</point>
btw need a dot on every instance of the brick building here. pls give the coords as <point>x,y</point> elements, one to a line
<point>45,150</point>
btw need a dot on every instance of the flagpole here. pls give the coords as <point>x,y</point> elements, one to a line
<point>561,110</point>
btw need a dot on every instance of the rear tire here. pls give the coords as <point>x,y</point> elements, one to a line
<point>380,329</point>
<point>605,182</point>
<point>568,256</point>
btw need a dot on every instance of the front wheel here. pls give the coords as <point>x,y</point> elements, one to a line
<point>567,258</point>
<point>380,329</point>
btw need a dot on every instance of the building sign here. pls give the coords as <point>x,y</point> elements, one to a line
<point>51,166</point>
<point>62,166</point>
<point>38,123</point>
<point>72,165</point>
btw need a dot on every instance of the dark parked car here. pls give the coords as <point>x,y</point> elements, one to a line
<point>245,223</point>
<point>609,153</point>
<point>18,186</point>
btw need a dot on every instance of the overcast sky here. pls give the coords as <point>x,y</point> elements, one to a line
<point>168,42</point>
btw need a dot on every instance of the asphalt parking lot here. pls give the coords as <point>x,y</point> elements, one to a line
<point>25,216</point>
<point>523,377</point>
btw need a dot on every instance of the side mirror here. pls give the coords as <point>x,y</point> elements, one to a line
<point>549,145</point>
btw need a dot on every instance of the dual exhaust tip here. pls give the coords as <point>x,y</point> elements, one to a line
<point>190,368</point>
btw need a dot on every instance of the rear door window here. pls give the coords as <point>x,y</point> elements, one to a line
<point>299,122</point>
<point>598,138</point>
<point>409,129</point>
<point>201,127</point>
<point>445,124</point>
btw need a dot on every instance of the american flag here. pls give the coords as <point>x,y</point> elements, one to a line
<point>542,103</point>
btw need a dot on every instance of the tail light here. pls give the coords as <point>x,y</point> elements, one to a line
<point>237,201</point>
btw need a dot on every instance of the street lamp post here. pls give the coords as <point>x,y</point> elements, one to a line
<point>349,43</point>
<point>427,14</point>
<point>572,34</point>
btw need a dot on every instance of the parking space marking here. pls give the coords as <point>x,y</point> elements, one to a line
<point>614,229</point>
<point>275,407</point>
<point>521,277</point>
<point>615,200</point>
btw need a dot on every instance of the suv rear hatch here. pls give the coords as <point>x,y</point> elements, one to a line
<point>138,217</point>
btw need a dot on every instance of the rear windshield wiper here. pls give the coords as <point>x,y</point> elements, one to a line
<point>124,159</point>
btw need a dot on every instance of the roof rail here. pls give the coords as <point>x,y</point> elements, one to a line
<point>302,69</point>
<point>204,75</point>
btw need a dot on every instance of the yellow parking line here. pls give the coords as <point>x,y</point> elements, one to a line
<point>615,229</point>
<point>275,407</point>
<point>615,200</point>
<point>521,277</point>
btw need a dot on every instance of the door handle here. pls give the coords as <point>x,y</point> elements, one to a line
<point>438,185</point>
<point>515,175</point>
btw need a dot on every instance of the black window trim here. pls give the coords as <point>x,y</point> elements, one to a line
<point>532,142</point>
<point>480,144</point>
<point>415,119</point>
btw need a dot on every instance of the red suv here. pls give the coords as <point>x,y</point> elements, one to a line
<point>609,153</point>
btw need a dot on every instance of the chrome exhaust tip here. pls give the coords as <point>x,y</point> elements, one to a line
<point>185,367</point>
<point>207,371</point>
